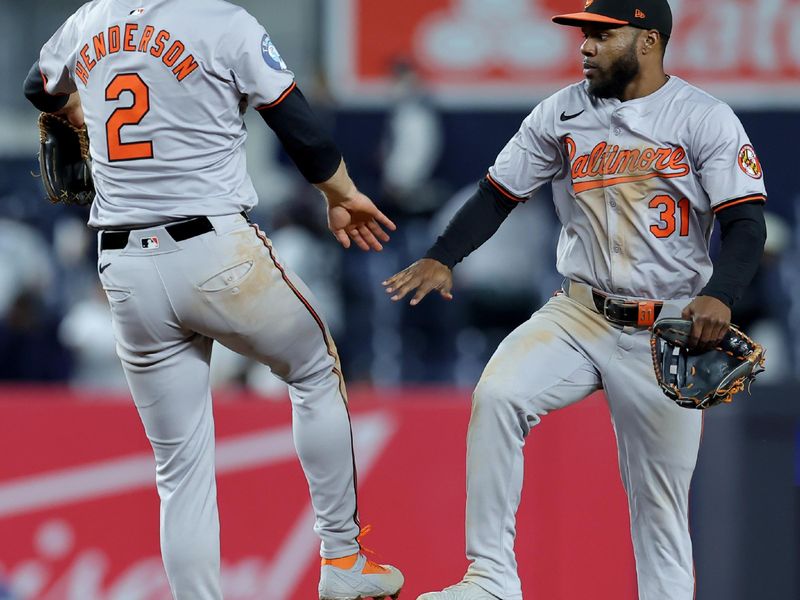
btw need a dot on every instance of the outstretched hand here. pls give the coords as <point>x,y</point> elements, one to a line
<point>710,320</point>
<point>423,276</point>
<point>359,220</point>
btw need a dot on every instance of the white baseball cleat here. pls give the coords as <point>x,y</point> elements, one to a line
<point>355,577</point>
<point>464,590</point>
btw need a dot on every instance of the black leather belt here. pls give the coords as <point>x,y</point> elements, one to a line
<point>635,313</point>
<point>116,240</point>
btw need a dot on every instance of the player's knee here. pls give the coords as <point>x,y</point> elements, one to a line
<point>493,395</point>
<point>495,405</point>
<point>317,365</point>
<point>496,398</point>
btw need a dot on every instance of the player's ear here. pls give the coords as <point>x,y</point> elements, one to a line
<point>650,41</point>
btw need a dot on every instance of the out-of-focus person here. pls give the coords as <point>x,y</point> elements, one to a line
<point>505,280</point>
<point>763,308</point>
<point>86,331</point>
<point>409,152</point>
<point>411,146</point>
<point>29,345</point>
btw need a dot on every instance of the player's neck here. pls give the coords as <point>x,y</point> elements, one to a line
<point>645,84</point>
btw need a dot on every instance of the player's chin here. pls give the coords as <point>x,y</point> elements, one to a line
<point>600,87</point>
<point>593,78</point>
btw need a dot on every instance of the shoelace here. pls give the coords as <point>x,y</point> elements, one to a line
<point>347,562</point>
<point>365,531</point>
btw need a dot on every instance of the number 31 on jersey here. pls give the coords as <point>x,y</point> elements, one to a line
<point>673,214</point>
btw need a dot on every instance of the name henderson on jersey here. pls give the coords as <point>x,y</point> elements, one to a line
<point>114,40</point>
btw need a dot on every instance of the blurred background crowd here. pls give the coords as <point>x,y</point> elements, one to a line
<point>419,123</point>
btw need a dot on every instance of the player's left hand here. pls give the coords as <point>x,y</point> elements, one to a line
<point>359,220</point>
<point>710,317</point>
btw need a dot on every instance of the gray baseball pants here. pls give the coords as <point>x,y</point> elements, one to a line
<point>169,300</point>
<point>563,353</point>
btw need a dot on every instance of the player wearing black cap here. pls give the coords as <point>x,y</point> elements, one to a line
<point>642,14</point>
<point>641,164</point>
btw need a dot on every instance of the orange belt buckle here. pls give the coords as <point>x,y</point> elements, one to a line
<point>647,313</point>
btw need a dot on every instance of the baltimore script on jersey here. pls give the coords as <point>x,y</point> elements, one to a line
<point>639,164</point>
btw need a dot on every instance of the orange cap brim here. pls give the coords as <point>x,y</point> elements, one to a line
<point>586,18</point>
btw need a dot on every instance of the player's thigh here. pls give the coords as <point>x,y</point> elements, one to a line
<point>172,392</point>
<point>538,368</point>
<point>252,303</point>
<point>165,364</point>
<point>649,426</point>
<point>141,312</point>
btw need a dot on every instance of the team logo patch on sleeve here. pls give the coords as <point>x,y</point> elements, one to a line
<point>271,55</point>
<point>748,162</point>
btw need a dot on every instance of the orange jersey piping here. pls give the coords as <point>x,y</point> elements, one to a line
<point>503,191</point>
<point>735,201</point>
<point>280,98</point>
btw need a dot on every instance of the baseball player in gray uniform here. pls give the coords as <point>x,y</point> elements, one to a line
<point>163,86</point>
<point>641,164</point>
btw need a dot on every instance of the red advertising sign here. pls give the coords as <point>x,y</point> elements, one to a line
<point>472,52</point>
<point>79,509</point>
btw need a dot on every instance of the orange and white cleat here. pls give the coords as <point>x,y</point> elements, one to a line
<point>355,577</point>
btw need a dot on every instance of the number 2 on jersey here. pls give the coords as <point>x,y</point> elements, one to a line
<point>127,115</point>
<point>667,223</point>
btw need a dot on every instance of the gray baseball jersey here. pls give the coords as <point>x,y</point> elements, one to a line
<point>164,85</point>
<point>635,184</point>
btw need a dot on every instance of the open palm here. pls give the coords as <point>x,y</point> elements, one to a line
<point>359,220</point>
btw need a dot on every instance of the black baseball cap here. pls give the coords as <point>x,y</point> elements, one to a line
<point>644,14</point>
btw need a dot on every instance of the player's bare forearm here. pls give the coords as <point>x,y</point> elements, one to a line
<point>424,276</point>
<point>73,111</point>
<point>710,318</point>
<point>352,215</point>
<point>339,187</point>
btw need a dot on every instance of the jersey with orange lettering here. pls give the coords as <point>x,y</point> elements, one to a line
<point>164,85</point>
<point>635,184</point>
<point>143,74</point>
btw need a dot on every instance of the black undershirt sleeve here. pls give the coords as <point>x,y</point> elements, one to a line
<point>743,233</point>
<point>35,92</point>
<point>475,222</point>
<point>303,137</point>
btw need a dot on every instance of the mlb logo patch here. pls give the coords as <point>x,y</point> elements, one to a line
<point>136,12</point>
<point>150,243</point>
